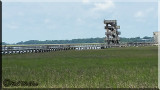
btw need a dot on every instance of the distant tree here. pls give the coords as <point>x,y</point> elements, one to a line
<point>146,37</point>
<point>87,40</point>
<point>3,43</point>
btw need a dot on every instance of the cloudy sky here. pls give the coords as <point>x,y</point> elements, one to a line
<point>54,20</point>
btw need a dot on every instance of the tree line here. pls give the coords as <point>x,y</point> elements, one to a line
<point>86,40</point>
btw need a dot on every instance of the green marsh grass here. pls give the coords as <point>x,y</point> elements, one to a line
<point>131,67</point>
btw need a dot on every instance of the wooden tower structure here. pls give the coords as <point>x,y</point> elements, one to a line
<point>112,32</point>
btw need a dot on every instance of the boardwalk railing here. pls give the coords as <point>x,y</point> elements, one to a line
<point>12,49</point>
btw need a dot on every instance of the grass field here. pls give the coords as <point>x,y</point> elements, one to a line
<point>132,67</point>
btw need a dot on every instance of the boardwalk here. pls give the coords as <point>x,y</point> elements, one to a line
<point>13,49</point>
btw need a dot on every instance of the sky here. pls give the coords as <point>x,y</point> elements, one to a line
<point>54,20</point>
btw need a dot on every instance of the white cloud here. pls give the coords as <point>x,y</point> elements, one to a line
<point>80,21</point>
<point>20,13</point>
<point>148,13</point>
<point>46,21</point>
<point>101,7</point>
<point>139,14</point>
<point>144,13</point>
<point>13,26</point>
<point>149,10</point>
<point>104,5</point>
<point>85,1</point>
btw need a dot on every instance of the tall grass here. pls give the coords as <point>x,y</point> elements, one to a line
<point>132,67</point>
